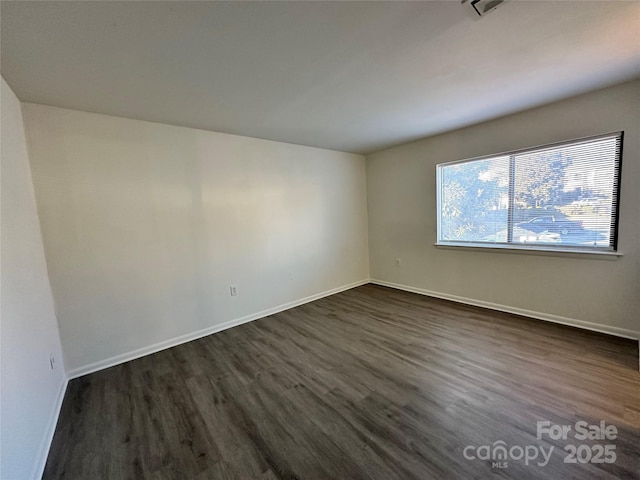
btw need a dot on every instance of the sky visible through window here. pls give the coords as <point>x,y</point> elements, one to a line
<point>562,195</point>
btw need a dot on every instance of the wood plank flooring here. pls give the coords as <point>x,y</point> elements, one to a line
<point>371,383</point>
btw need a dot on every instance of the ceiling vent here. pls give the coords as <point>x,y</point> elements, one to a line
<point>482,7</point>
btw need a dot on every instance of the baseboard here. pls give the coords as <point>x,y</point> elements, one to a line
<point>141,352</point>
<point>596,327</point>
<point>45,445</point>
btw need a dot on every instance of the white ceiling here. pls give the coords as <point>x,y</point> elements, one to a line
<point>350,76</point>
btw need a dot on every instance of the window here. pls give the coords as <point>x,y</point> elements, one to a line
<point>561,196</point>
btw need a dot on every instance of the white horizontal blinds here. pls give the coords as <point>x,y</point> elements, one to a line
<point>474,201</point>
<point>567,194</point>
<point>563,195</point>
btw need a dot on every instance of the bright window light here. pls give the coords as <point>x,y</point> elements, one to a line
<point>561,196</point>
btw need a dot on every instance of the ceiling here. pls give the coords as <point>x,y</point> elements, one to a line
<point>350,76</point>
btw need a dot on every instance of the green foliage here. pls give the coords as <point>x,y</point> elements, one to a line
<point>474,194</point>
<point>539,179</point>
<point>467,197</point>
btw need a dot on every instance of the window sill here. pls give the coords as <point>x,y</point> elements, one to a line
<point>533,250</point>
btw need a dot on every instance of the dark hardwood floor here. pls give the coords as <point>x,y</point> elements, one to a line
<point>371,383</point>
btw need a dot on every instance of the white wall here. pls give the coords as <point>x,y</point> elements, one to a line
<point>147,225</point>
<point>589,291</point>
<point>31,391</point>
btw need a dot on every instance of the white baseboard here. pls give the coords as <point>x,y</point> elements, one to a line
<point>141,352</point>
<point>172,342</point>
<point>45,445</point>
<point>596,327</point>
<point>110,362</point>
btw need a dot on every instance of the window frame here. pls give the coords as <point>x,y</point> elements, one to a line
<point>611,249</point>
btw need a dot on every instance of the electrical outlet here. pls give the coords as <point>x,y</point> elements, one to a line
<point>233,290</point>
<point>52,361</point>
<point>398,262</point>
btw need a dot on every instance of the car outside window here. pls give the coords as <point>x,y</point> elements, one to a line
<point>562,196</point>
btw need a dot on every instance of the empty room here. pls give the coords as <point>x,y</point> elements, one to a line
<point>321,240</point>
